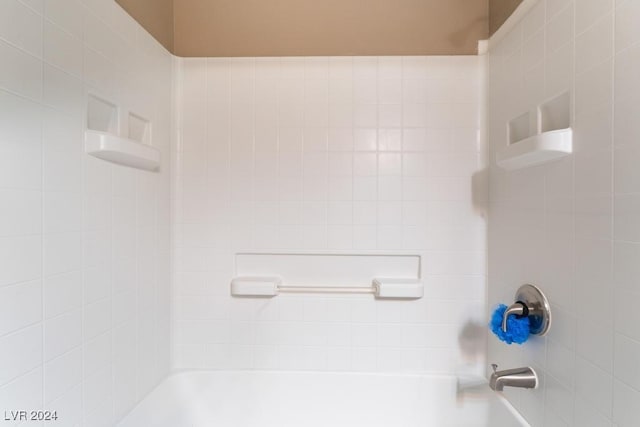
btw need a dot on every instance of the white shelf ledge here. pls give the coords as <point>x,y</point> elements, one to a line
<point>122,151</point>
<point>535,150</point>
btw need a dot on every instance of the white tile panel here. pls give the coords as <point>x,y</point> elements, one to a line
<point>585,260</point>
<point>291,183</point>
<point>58,207</point>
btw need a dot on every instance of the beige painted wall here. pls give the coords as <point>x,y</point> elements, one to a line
<point>156,16</point>
<point>313,27</point>
<point>499,11</point>
<point>328,27</point>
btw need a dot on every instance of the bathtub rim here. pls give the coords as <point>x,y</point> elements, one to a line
<point>499,396</point>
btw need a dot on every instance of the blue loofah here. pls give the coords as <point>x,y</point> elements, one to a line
<point>517,329</point>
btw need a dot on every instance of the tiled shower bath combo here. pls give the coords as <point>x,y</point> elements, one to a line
<point>441,238</point>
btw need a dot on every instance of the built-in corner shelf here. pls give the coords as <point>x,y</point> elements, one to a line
<point>102,140</point>
<point>122,151</point>
<point>551,140</point>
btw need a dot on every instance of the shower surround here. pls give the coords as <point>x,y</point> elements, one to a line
<point>111,278</point>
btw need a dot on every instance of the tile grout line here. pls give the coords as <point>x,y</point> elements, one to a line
<point>572,119</point>
<point>42,215</point>
<point>612,203</point>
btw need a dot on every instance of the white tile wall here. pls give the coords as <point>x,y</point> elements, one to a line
<point>324,154</point>
<point>571,226</point>
<point>84,245</point>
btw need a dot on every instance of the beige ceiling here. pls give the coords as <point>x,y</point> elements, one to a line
<point>156,16</point>
<point>499,11</point>
<point>319,27</point>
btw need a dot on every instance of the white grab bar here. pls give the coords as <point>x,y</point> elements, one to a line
<point>273,286</point>
<point>293,289</point>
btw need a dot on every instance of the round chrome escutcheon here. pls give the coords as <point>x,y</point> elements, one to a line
<point>539,308</point>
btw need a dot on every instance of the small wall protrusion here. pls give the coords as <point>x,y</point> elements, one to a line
<point>102,115</point>
<point>139,129</point>
<point>519,128</point>
<point>555,114</point>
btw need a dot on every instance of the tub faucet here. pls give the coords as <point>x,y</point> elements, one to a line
<point>524,377</point>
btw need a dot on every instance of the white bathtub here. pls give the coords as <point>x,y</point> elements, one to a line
<point>302,399</point>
